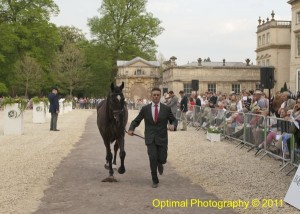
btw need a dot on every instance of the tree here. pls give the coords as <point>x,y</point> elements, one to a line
<point>284,88</point>
<point>28,74</point>
<point>25,29</point>
<point>126,29</point>
<point>3,89</point>
<point>72,71</point>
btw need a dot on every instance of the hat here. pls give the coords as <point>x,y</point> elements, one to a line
<point>257,92</point>
<point>54,88</point>
<point>181,92</point>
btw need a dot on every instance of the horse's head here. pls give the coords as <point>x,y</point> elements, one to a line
<point>117,102</point>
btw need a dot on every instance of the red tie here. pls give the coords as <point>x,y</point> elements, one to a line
<point>155,113</point>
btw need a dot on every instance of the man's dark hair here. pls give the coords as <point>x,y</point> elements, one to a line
<point>155,89</point>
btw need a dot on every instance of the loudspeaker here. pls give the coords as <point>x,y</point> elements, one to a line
<point>267,77</point>
<point>195,85</point>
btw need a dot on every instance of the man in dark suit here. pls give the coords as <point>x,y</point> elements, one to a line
<point>156,116</point>
<point>54,108</point>
<point>183,109</point>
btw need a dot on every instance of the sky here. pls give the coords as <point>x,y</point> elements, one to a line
<point>218,29</point>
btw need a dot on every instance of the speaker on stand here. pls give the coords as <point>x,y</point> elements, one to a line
<point>267,80</point>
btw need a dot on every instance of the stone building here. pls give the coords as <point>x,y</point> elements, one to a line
<point>139,76</point>
<point>294,75</point>
<point>212,76</point>
<point>273,48</point>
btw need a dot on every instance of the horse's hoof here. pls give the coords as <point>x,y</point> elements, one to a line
<point>121,170</point>
<point>106,166</point>
<point>110,179</point>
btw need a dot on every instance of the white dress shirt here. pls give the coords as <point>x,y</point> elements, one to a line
<point>153,109</point>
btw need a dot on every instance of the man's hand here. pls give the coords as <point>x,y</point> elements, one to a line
<point>130,132</point>
<point>171,127</point>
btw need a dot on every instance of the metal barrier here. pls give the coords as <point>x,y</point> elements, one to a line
<point>279,142</point>
<point>234,127</point>
<point>269,135</point>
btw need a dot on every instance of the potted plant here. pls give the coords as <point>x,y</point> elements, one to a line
<point>40,106</point>
<point>213,134</point>
<point>13,115</point>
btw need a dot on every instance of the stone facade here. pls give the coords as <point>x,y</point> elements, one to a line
<point>212,76</point>
<point>139,76</point>
<point>273,48</point>
<point>294,75</point>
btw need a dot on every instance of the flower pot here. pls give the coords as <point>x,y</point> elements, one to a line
<point>213,137</point>
<point>39,113</point>
<point>13,120</point>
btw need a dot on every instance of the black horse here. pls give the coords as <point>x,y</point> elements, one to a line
<point>112,116</point>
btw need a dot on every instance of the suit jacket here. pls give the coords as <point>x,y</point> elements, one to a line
<point>54,105</point>
<point>183,104</point>
<point>157,132</point>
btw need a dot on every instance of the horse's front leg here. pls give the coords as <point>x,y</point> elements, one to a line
<point>109,158</point>
<point>121,169</point>
<point>116,148</point>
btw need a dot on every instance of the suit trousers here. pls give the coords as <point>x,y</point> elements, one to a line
<point>53,123</point>
<point>157,154</point>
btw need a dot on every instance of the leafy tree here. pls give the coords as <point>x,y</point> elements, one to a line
<point>28,74</point>
<point>25,29</point>
<point>72,72</point>
<point>284,88</point>
<point>3,89</point>
<point>126,29</point>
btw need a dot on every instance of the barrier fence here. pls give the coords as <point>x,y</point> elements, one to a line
<point>269,136</point>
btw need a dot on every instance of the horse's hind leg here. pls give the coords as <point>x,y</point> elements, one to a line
<point>109,158</point>
<point>121,169</point>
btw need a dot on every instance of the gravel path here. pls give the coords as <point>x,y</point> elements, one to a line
<point>27,163</point>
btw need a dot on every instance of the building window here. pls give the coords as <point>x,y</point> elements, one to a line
<point>298,17</point>
<point>268,38</point>
<point>212,87</point>
<point>298,44</point>
<point>264,39</point>
<point>259,41</point>
<point>263,63</point>
<point>258,63</point>
<point>139,72</point>
<point>257,86</point>
<point>187,88</point>
<point>267,62</point>
<point>236,88</point>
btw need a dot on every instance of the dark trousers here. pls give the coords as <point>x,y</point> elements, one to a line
<point>157,154</point>
<point>53,123</point>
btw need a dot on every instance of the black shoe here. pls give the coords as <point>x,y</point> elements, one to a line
<point>160,168</point>
<point>51,129</point>
<point>154,185</point>
<point>56,130</point>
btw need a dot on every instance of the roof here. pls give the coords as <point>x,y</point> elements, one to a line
<point>137,59</point>
<point>216,64</point>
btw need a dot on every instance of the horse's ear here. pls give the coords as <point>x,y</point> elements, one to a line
<point>112,87</point>
<point>122,86</point>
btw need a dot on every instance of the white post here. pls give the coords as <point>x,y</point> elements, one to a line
<point>61,107</point>
<point>48,114</point>
<point>39,113</point>
<point>13,120</point>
